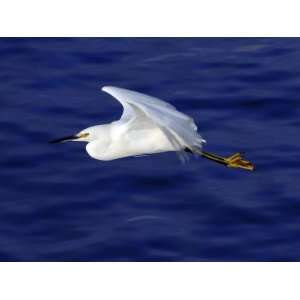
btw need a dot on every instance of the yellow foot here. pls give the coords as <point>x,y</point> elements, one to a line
<point>236,161</point>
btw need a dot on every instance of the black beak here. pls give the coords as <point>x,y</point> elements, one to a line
<point>64,139</point>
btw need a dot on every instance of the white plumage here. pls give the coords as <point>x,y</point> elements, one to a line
<point>147,125</point>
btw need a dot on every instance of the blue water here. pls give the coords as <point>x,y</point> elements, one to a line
<point>58,204</point>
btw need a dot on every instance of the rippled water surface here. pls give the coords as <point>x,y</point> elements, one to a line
<point>57,204</point>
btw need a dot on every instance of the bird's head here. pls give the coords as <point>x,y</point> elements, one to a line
<point>86,135</point>
<point>82,136</point>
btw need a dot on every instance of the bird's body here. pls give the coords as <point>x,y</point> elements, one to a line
<point>148,125</point>
<point>120,142</point>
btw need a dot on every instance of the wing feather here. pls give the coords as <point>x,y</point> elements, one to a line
<point>179,128</point>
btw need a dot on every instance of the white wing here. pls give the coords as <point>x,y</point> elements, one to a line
<point>179,128</point>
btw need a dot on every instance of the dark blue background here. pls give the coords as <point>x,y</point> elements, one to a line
<point>58,204</point>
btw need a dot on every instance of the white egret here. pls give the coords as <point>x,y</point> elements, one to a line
<point>148,125</point>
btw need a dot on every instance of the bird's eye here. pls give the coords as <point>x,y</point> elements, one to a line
<point>84,135</point>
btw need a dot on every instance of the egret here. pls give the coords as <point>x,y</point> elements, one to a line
<point>148,125</point>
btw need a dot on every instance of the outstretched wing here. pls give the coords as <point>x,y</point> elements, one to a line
<point>179,128</point>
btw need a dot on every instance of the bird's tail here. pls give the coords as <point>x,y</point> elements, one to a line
<point>234,161</point>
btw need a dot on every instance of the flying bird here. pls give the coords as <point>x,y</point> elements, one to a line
<point>148,125</point>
